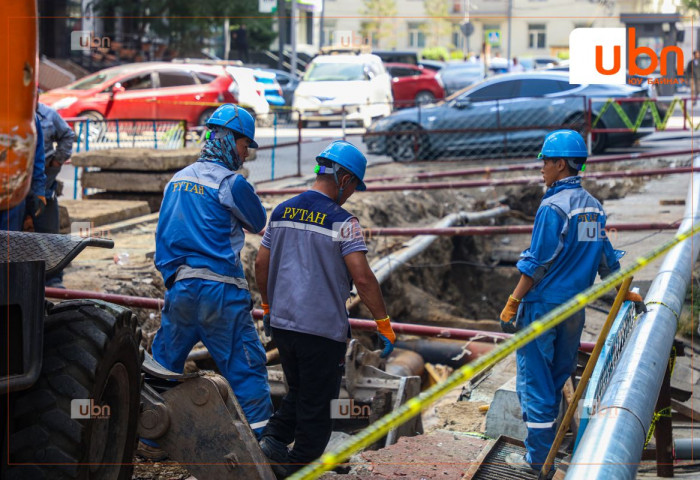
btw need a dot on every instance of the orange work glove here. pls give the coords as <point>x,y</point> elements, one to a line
<point>508,315</point>
<point>386,335</point>
<point>510,310</point>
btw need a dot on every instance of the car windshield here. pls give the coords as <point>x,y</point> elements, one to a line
<point>334,72</point>
<point>95,79</point>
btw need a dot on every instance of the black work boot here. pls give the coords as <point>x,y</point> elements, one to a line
<point>278,453</point>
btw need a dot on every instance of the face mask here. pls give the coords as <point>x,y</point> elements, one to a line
<point>220,147</point>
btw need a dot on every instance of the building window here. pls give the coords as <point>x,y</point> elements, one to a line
<point>416,37</point>
<point>329,27</point>
<point>537,35</point>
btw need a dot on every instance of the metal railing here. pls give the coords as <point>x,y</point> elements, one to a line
<point>607,361</point>
<point>105,134</point>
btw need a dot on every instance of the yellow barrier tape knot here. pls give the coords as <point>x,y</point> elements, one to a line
<point>664,412</point>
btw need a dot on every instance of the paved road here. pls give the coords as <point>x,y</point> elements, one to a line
<point>282,160</point>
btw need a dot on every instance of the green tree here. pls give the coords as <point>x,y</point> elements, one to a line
<point>437,27</point>
<point>380,25</point>
<point>186,25</point>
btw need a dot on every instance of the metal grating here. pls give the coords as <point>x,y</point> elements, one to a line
<point>494,466</point>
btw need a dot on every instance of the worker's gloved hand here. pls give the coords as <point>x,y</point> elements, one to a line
<point>508,315</point>
<point>386,335</point>
<point>638,301</point>
<point>266,319</point>
<point>36,205</point>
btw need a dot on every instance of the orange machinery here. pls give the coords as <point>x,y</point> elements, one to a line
<point>18,87</point>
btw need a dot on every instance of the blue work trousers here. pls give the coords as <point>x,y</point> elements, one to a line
<point>218,314</point>
<point>544,365</point>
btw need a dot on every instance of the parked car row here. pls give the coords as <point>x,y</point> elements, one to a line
<point>169,91</point>
<point>512,111</point>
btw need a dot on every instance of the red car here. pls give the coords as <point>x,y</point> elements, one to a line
<point>145,91</point>
<point>413,85</point>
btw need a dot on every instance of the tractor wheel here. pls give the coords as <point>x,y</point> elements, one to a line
<point>79,420</point>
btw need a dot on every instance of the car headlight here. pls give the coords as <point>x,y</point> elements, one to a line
<point>64,103</point>
<point>381,124</point>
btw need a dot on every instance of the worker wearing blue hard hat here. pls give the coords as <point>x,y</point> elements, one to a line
<point>199,238</point>
<point>312,252</point>
<point>567,249</point>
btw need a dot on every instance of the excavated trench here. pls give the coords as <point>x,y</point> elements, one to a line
<point>457,281</point>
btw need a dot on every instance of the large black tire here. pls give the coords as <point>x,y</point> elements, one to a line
<point>91,351</point>
<point>409,146</point>
<point>578,122</point>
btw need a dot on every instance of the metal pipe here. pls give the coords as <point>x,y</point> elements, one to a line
<point>405,363</point>
<point>525,166</point>
<point>500,229</point>
<point>453,353</point>
<point>496,182</point>
<point>383,267</point>
<point>612,444</point>
<point>686,448</point>
<point>355,323</point>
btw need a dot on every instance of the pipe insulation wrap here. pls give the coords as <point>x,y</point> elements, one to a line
<point>612,444</point>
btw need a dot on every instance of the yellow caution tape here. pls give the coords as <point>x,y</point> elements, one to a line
<point>415,405</point>
<point>664,412</point>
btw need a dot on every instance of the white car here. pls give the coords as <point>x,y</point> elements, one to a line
<point>358,85</point>
<point>245,88</point>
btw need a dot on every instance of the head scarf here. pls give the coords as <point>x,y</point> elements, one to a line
<point>220,147</point>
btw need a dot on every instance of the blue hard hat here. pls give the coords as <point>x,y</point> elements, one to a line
<point>234,118</point>
<point>567,144</point>
<point>347,156</point>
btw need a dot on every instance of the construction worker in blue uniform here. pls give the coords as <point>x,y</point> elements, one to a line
<point>199,237</point>
<point>567,249</point>
<point>312,252</point>
<point>58,147</point>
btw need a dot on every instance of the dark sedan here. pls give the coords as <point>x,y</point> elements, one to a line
<point>509,114</point>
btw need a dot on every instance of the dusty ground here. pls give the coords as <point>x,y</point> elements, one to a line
<point>456,282</point>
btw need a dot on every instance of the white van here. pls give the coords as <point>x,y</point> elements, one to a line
<point>244,88</point>
<point>359,85</point>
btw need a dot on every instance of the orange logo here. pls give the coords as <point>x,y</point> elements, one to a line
<point>634,53</point>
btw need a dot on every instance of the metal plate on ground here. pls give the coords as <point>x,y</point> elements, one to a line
<point>491,464</point>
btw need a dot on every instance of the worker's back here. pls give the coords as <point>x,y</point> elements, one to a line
<point>308,279</point>
<point>581,249</point>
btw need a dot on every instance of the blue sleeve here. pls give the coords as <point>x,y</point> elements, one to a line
<point>244,203</point>
<point>547,242</point>
<point>39,173</point>
<point>609,259</point>
<point>64,137</point>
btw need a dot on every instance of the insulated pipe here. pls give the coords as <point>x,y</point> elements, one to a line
<point>611,446</point>
<point>496,182</point>
<point>498,230</point>
<point>383,267</point>
<point>525,166</point>
<point>355,323</point>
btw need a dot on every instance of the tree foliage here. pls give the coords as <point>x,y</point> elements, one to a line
<point>379,25</point>
<point>186,25</point>
<point>437,28</point>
